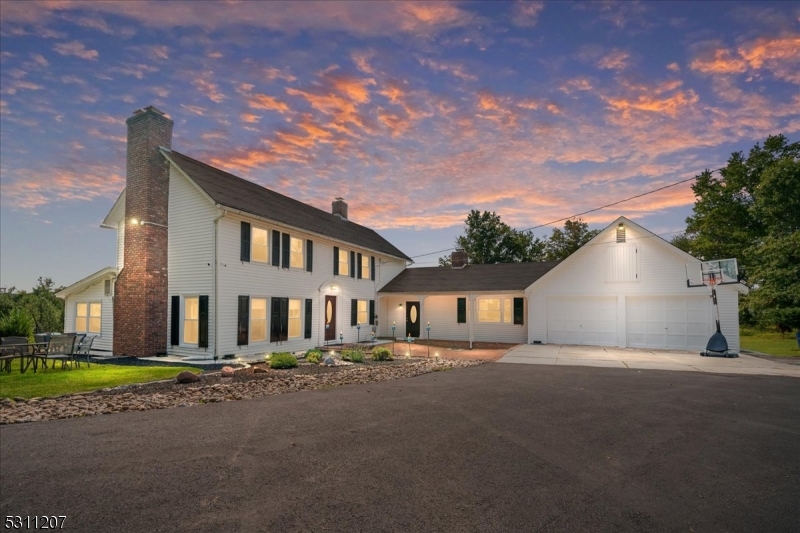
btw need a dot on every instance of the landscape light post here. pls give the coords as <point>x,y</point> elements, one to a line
<point>428,329</point>
<point>393,337</point>
<point>358,327</point>
<point>341,338</point>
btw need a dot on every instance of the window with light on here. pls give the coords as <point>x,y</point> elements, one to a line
<point>258,245</point>
<point>344,263</point>
<point>294,318</point>
<point>258,319</point>
<point>296,257</point>
<point>191,316</point>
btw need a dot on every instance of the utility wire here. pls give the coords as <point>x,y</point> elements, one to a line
<point>584,212</point>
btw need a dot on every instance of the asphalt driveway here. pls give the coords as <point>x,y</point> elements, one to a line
<point>600,356</point>
<point>496,447</point>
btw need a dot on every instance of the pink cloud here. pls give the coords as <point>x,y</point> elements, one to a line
<point>77,49</point>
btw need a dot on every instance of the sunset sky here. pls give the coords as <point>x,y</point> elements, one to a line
<point>414,112</point>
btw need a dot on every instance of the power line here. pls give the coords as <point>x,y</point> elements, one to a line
<point>584,212</point>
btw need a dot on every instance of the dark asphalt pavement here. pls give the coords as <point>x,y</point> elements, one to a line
<point>498,447</point>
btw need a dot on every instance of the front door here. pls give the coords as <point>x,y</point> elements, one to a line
<point>412,319</point>
<point>330,318</point>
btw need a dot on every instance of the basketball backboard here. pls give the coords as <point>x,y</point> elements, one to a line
<point>718,272</point>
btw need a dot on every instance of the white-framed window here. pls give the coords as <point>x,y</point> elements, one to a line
<point>508,311</point>
<point>258,319</point>
<point>344,262</point>
<point>363,312</point>
<point>489,309</point>
<point>258,245</point>
<point>365,267</point>
<point>296,253</point>
<point>88,317</point>
<point>295,319</point>
<point>191,319</point>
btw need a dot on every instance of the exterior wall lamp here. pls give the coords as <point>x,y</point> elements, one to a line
<point>137,222</point>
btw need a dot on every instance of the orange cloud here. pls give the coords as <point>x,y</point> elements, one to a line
<point>721,62</point>
<point>249,118</point>
<point>209,89</point>
<point>615,60</point>
<point>270,103</point>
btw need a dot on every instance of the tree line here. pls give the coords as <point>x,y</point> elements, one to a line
<point>24,313</point>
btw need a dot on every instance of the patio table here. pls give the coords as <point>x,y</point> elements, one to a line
<point>27,353</point>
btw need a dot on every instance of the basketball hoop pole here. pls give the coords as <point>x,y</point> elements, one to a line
<point>712,280</point>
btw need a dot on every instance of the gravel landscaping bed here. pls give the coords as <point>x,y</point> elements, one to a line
<point>253,382</point>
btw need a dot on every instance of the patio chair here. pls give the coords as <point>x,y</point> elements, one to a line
<point>84,348</point>
<point>59,347</point>
<point>9,350</point>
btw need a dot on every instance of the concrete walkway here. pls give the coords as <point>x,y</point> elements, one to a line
<point>558,354</point>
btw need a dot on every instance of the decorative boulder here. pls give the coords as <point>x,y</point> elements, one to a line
<point>328,361</point>
<point>227,372</point>
<point>260,370</point>
<point>187,377</point>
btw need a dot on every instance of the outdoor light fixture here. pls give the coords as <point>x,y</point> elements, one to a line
<point>137,222</point>
<point>400,305</point>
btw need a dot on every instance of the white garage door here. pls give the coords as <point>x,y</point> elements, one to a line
<point>582,320</point>
<point>672,322</point>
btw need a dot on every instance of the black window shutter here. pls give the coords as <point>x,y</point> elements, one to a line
<point>309,255</point>
<point>372,312</point>
<point>275,320</point>
<point>285,254</point>
<point>519,310</point>
<point>352,264</point>
<point>243,331</point>
<point>244,252</point>
<point>284,319</point>
<point>335,260</point>
<point>358,266</point>
<point>276,248</point>
<point>307,333</point>
<point>202,326</point>
<point>353,312</point>
<point>372,267</point>
<point>462,311</point>
<point>175,333</point>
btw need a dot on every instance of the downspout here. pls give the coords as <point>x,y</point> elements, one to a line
<point>216,282</point>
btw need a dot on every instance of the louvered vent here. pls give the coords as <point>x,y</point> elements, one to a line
<point>621,233</point>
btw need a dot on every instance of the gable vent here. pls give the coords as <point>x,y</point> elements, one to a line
<point>620,233</point>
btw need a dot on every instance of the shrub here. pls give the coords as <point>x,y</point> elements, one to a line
<point>382,354</point>
<point>356,355</point>
<point>282,360</point>
<point>313,356</point>
<point>16,323</point>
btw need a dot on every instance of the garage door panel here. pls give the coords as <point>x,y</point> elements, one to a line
<point>673,322</point>
<point>582,320</point>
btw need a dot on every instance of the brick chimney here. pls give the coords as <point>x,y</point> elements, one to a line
<point>339,208</point>
<point>140,300</point>
<point>459,258</point>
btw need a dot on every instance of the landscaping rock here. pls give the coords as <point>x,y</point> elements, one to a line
<point>187,377</point>
<point>226,372</point>
<point>260,370</point>
<point>328,361</point>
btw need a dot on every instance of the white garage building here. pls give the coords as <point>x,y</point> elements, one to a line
<point>627,287</point>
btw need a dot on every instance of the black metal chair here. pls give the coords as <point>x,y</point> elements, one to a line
<point>60,347</point>
<point>84,348</point>
<point>10,349</point>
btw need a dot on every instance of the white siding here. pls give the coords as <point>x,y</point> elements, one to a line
<point>121,244</point>
<point>93,293</point>
<point>661,272</point>
<point>264,280</point>
<point>441,311</point>
<point>191,252</point>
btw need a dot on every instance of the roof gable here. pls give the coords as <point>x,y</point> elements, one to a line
<point>88,281</point>
<point>227,190</point>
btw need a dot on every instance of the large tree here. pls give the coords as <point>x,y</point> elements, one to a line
<point>750,210</point>
<point>41,305</point>
<point>487,239</point>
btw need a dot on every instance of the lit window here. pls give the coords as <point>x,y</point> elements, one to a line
<point>507,314</point>
<point>344,263</point>
<point>88,317</point>
<point>296,257</point>
<point>191,314</point>
<point>365,267</point>
<point>95,310</point>
<point>258,319</point>
<point>489,310</point>
<point>294,318</point>
<point>258,245</point>
<point>363,314</point>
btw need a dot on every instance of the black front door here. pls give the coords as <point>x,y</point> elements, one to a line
<point>330,318</point>
<point>412,319</point>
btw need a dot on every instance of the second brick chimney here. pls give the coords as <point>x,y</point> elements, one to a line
<point>459,258</point>
<point>339,208</point>
<point>140,299</point>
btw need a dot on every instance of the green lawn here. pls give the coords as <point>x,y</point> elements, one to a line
<point>769,342</point>
<point>56,381</point>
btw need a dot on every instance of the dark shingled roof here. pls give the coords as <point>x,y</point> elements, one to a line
<point>498,277</point>
<point>238,193</point>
